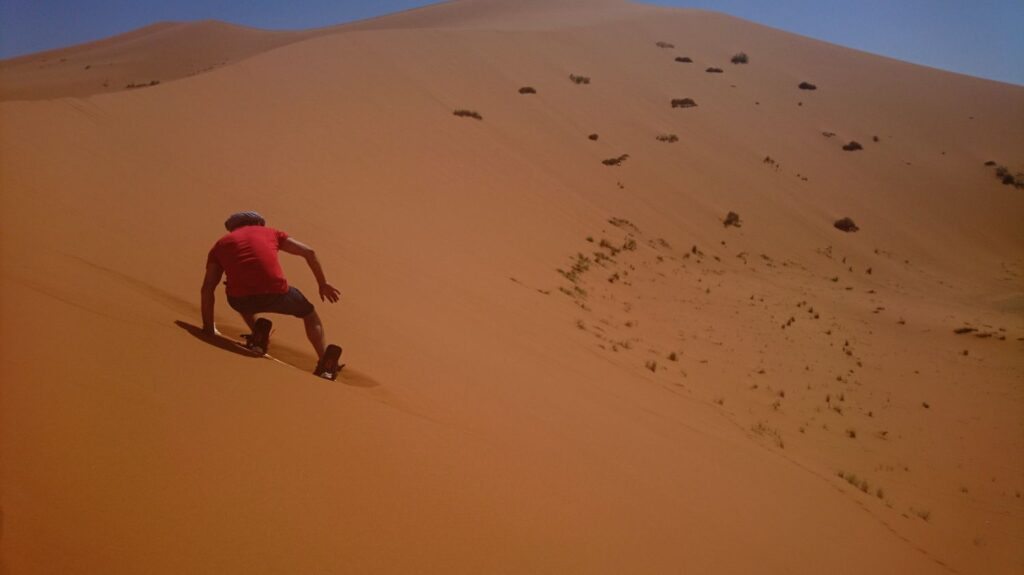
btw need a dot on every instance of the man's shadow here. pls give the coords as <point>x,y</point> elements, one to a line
<point>213,339</point>
<point>347,377</point>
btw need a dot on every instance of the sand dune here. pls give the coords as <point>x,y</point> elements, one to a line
<point>554,365</point>
<point>157,53</point>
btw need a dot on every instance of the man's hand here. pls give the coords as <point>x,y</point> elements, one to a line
<point>329,293</point>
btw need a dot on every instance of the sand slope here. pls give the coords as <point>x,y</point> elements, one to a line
<point>683,402</point>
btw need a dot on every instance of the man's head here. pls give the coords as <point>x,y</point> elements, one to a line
<point>242,219</point>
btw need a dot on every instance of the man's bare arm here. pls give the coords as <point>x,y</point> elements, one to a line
<point>213,274</point>
<point>297,248</point>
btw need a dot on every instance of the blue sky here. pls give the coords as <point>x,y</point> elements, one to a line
<point>978,37</point>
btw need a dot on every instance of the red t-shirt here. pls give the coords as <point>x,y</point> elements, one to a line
<point>249,257</point>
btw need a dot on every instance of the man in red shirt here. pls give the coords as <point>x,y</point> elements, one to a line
<point>256,283</point>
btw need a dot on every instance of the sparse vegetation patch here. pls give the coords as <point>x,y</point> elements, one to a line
<point>580,264</point>
<point>668,138</point>
<point>624,224</point>
<point>732,219</point>
<point>740,58</point>
<point>761,429</point>
<point>807,86</point>
<point>579,79</point>
<point>713,70</point>
<point>664,44</point>
<point>142,85</point>
<point>468,114</point>
<point>684,59</point>
<point>683,103</point>
<point>853,146</point>
<point>527,90</point>
<point>593,137</point>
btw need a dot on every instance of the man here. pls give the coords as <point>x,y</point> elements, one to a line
<point>256,283</point>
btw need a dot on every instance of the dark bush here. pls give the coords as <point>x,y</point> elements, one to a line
<point>615,161</point>
<point>1008,179</point>
<point>683,103</point>
<point>579,79</point>
<point>468,114</point>
<point>990,163</point>
<point>846,224</point>
<point>685,59</point>
<point>593,137</point>
<point>669,138</point>
<point>714,70</point>
<point>853,146</point>
<point>740,58</point>
<point>143,84</point>
<point>527,90</point>
<point>732,219</point>
<point>807,86</point>
<point>664,45</point>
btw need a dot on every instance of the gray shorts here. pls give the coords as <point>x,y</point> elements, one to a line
<point>291,302</point>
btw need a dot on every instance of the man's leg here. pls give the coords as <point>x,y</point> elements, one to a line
<point>250,320</point>
<point>315,333</point>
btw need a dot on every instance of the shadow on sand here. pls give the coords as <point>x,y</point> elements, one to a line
<point>282,354</point>
<point>220,341</point>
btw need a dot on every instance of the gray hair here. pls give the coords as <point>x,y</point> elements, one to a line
<point>242,219</point>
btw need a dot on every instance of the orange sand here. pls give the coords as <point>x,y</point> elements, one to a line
<point>498,416</point>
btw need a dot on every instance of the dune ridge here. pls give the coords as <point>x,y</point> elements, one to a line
<point>555,365</point>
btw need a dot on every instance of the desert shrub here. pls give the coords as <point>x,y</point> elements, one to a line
<point>468,114</point>
<point>683,103</point>
<point>668,138</point>
<point>846,225</point>
<point>807,86</point>
<point>1008,179</point>
<point>874,139</point>
<point>990,163</point>
<point>664,45</point>
<point>713,70</point>
<point>624,224</point>
<point>579,79</point>
<point>651,365</point>
<point>732,219</point>
<point>143,84</point>
<point>740,58</point>
<point>615,161</point>
<point>684,59</point>
<point>579,266</point>
<point>853,146</point>
<point>828,134</point>
<point>527,90</point>
<point>593,137</point>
